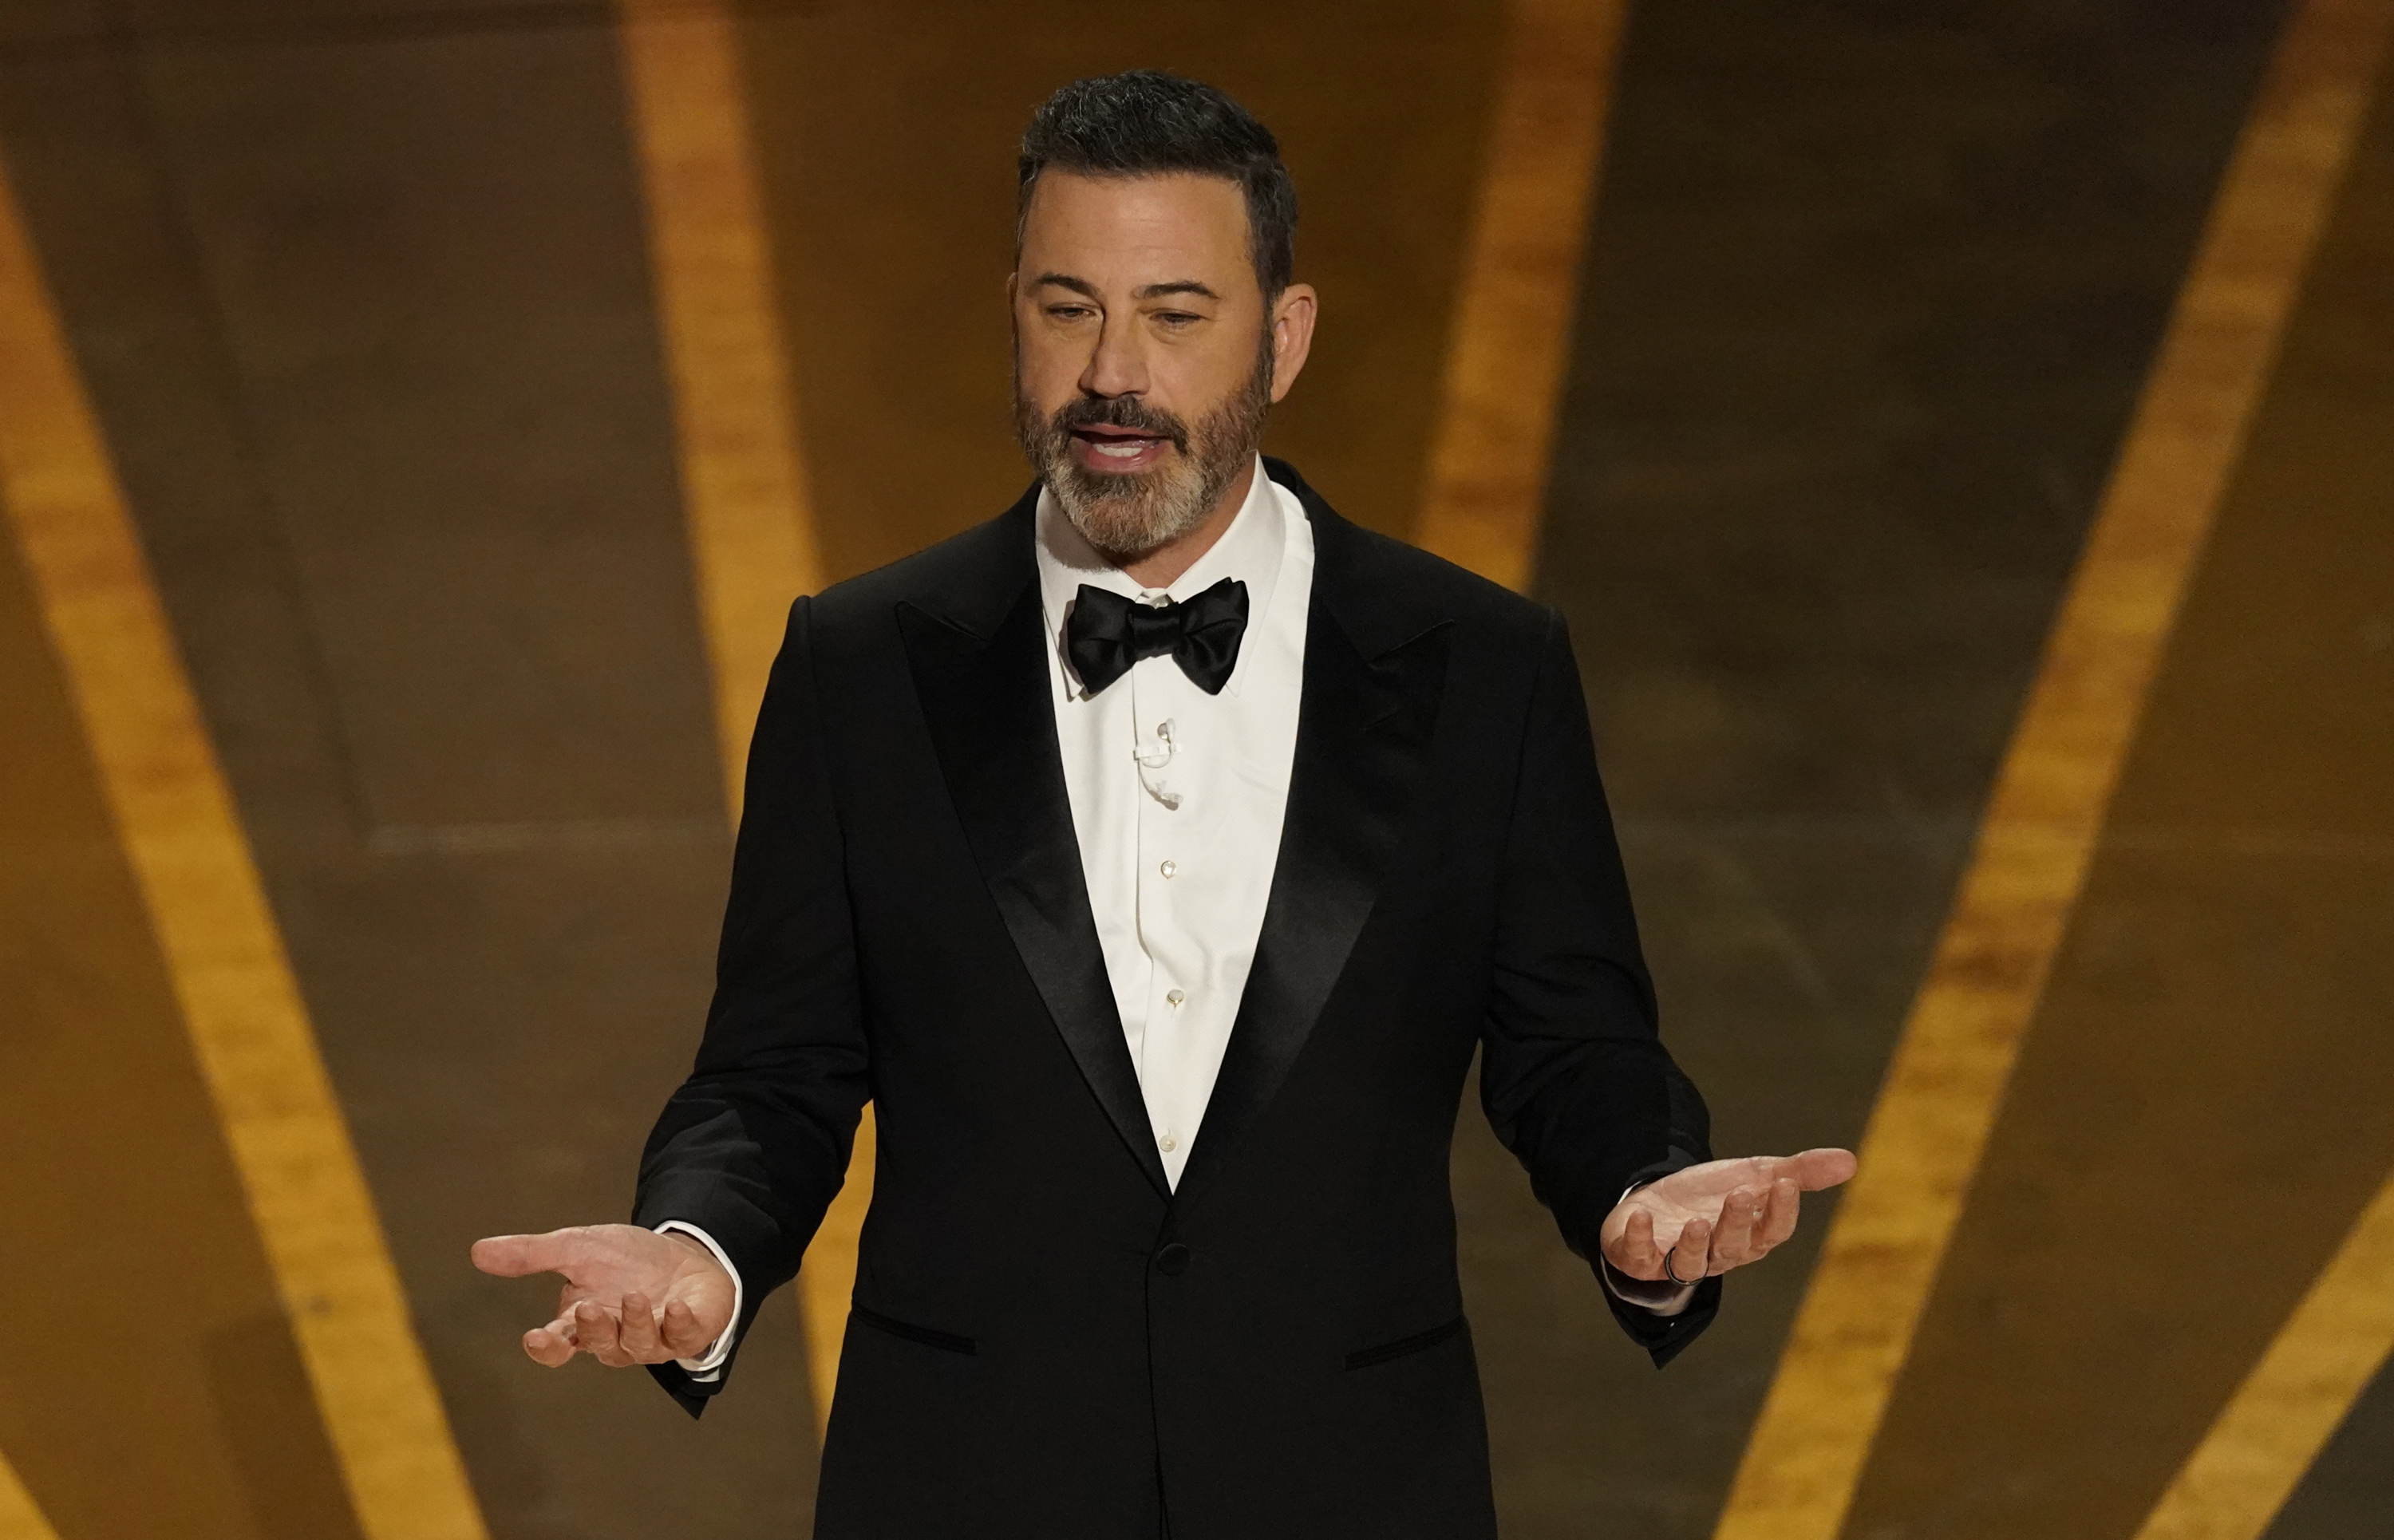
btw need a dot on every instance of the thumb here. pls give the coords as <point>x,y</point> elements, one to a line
<point>516,1255</point>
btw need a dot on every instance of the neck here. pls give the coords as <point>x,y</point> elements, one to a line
<point>1162,567</point>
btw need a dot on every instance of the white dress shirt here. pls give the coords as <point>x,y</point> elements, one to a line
<point>1177,795</point>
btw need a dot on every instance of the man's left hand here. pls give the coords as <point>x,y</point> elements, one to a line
<point>1721,1215</point>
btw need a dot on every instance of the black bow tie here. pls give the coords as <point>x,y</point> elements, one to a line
<point>1106,633</point>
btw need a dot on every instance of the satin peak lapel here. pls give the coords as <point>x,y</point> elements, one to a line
<point>986,701</point>
<point>1363,732</point>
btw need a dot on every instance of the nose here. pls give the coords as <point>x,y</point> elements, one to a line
<point>1117,365</point>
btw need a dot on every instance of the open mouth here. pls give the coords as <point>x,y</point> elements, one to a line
<point>1104,448</point>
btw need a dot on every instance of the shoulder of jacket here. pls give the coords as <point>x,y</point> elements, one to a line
<point>939,577</point>
<point>1387,591</point>
<point>1412,591</point>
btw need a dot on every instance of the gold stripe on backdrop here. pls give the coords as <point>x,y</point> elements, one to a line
<point>184,842</point>
<point>1950,1069</point>
<point>2277,1421</point>
<point>750,531</point>
<point>19,1519</point>
<point>2289,1406</point>
<point>752,534</point>
<point>1507,355</point>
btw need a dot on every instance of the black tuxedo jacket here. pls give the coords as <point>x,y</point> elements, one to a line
<point>1046,1341</point>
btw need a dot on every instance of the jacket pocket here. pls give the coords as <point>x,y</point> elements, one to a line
<point>1418,1342</point>
<point>946,1341</point>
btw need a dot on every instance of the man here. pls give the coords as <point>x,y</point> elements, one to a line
<point>1155,857</point>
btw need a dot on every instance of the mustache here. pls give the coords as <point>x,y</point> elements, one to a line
<point>1124,411</point>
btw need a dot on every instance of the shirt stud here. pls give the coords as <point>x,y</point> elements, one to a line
<point>1169,867</point>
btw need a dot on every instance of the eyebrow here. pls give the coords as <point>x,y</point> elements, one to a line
<point>1186,285</point>
<point>1153,291</point>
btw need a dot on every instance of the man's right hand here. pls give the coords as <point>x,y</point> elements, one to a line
<point>631,1296</point>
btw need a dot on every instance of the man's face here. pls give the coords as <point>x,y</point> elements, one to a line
<point>1143,364</point>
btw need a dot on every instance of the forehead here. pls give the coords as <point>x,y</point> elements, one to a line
<point>1132,229</point>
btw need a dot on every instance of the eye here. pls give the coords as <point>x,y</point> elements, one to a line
<point>1068,313</point>
<point>1178,318</point>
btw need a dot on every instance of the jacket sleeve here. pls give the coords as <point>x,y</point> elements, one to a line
<point>754,1144</point>
<point>1573,1075</point>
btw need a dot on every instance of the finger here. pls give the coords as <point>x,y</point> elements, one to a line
<point>683,1332</point>
<point>1779,1219</point>
<point>594,1331</point>
<point>1817,1169</point>
<point>1620,1246</point>
<point>1692,1257</point>
<point>1733,1241</point>
<point>638,1333</point>
<point>551,1345</point>
<point>516,1255</point>
<point>1642,1256</point>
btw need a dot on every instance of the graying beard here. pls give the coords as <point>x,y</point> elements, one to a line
<point>1127,516</point>
<point>1150,512</point>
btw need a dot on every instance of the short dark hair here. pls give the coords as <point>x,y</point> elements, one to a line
<point>1145,123</point>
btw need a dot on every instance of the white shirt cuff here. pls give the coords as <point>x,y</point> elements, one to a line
<point>708,1366</point>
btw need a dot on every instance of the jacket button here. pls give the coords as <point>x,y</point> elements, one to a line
<point>1172,1260</point>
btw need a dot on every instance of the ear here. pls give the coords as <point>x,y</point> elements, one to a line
<point>1292,330</point>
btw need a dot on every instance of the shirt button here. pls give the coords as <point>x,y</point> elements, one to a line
<point>1173,997</point>
<point>1169,867</point>
<point>1167,1144</point>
